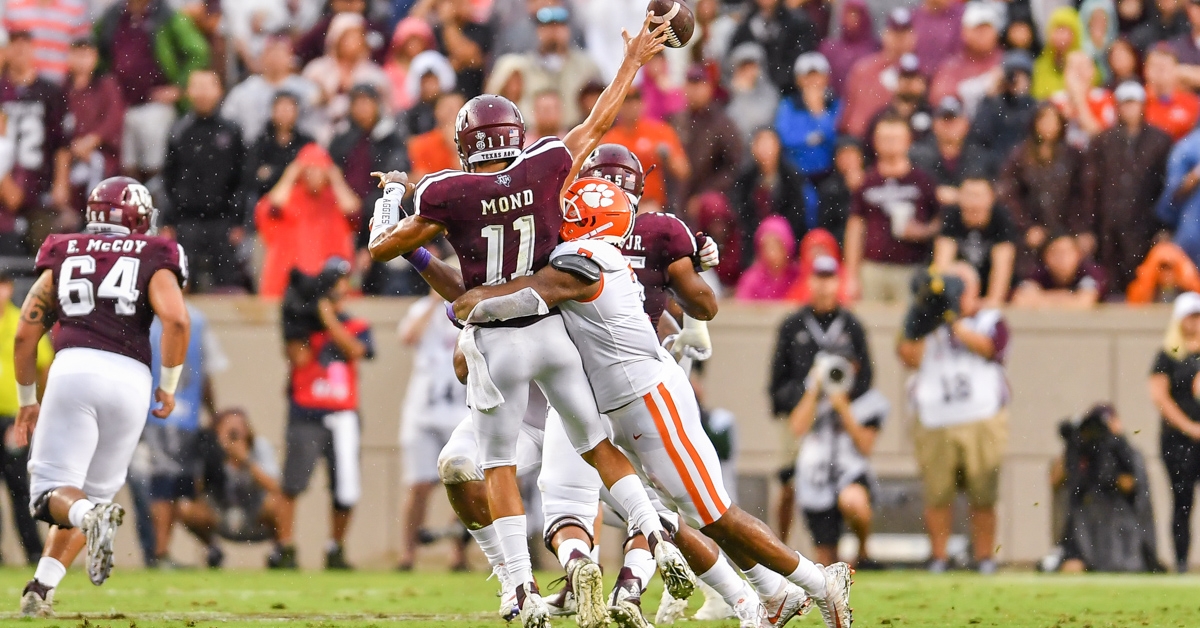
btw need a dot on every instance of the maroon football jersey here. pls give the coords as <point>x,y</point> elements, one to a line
<point>658,240</point>
<point>502,225</point>
<point>103,286</point>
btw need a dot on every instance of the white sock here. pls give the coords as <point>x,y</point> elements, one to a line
<point>641,563</point>
<point>570,546</point>
<point>725,581</point>
<point>78,510</point>
<point>766,582</point>
<point>631,494</point>
<point>511,531</point>
<point>595,553</point>
<point>49,572</point>
<point>489,542</point>
<point>809,576</point>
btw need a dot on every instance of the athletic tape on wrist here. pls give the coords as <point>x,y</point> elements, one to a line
<point>168,379</point>
<point>26,394</point>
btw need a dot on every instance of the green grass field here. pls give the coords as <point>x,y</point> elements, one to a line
<point>144,599</point>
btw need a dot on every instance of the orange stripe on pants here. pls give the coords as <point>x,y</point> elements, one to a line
<point>691,449</point>
<point>673,453</point>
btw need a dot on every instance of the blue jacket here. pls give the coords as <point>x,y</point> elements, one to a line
<point>189,396</point>
<point>808,140</point>
<point>1183,215</point>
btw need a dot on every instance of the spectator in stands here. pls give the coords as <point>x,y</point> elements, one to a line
<point>817,243</point>
<point>656,145</point>
<point>1171,390</point>
<point>1165,22</point>
<point>547,119</point>
<point>936,24</point>
<point>865,88</point>
<point>305,219</point>
<point>909,102</point>
<point>892,219</point>
<point>1088,108</point>
<point>982,233</point>
<point>515,22</point>
<point>151,50</point>
<point>52,26</point>
<point>1130,15</point>
<point>837,425</point>
<point>464,40</point>
<point>347,63</point>
<point>429,76</point>
<point>784,35</point>
<point>1124,63</point>
<point>249,27</point>
<point>249,102</point>
<point>557,64</point>
<point>753,100</point>
<point>1126,167</point>
<point>507,78</point>
<point>275,148</point>
<point>13,460</point>
<point>1166,273</point>
<point>807,119</point>
<point>314,43</point>
<point>95,106</point>
<point>1064,35</point>
<point>239,495</point>
<point>973,72</point>
<point>855,39</point>
<point>711,214</point>
<point>1187,51</point>
<point>174,442</point>
<point>661,93</point>
<point>369,143</point>
<point>769,185</point>
<point>963,432</point>
<point>411,37</point>
<point>1002,121</point>
<point>202,176</point>
<point>1040,179</point>
<point>821,325</point>
<point>1169,106</point>
<point>436,150</point>
<point>774,269</point>
<point>1064,278</point>
<point>945,158</point>
<point>836,191</point>
<point>602,23</point>
<point>1099,20</point>
<point>1020,34</point>
<point>708,137</point>
<point>1178,208</point>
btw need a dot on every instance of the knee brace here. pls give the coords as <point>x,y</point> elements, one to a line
<point>562,523</point>
<point>458,470</point>
<point>39,508</point>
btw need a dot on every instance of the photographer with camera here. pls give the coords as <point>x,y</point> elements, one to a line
<point>324,345</point>
<point>822,326</point>
<point>960,393</point>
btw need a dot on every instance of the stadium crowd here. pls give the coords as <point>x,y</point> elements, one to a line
<point>1051,147</point>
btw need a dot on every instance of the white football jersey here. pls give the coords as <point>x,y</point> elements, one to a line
<point>435,397</point>
<point>616,340</point>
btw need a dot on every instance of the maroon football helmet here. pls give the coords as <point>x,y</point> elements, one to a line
<point>617,164</point>
<point>489,128</point>
<point>121,201</point>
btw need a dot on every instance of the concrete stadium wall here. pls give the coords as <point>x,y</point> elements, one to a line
<point>1059,362</point>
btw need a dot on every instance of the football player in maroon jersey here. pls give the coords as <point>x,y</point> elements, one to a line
<point>502,215</point>
<point>103,288</point>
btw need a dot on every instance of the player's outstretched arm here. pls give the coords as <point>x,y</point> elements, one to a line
<point>639,49</point>
<point>554,286</point>
<point>694,294</point>
<point>37,315</point>
<point>391,236</point>
<point>166,299</point>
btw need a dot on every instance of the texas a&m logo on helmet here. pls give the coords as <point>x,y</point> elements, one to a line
<point>121,202</point>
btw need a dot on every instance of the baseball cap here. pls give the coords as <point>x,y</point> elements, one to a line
<point>1130,90</point>
<point>899,19</point>
<point>1018,61</point>
<point>364,89</point>
<point>978,14</point>
<point>825,265</point>
<point>552,15</point>
<point>949,107</point>
<point>909,64</point>
<point>748,52</point>
<point>811,62</point>
<point>1186,304</point>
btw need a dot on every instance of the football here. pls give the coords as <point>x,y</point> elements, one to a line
<point>682,21</point>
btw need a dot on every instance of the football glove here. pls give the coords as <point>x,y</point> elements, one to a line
<point>692,341</point>
<point>708,255</point>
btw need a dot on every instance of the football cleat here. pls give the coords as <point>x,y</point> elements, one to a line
<point>670,610</point>
<point>835,604</point>
<point>587,583</point>
<point>534,612</point>
<point>100,528</point>
<point>791,602</point>
<point>37,600</point>
<point>677,576</point>
<point>562,603</point>
<point>508,594</point>
<point>714,607</point>
<point>625,603</point>
<point>748,610</point>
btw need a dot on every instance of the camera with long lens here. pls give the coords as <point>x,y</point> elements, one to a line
<point>936,300</point>
<point>300,316</point>
<point>835,372</point>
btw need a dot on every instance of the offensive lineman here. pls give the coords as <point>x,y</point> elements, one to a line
<point>516,193</point>
<point>103,287</point>
<point>645,393</point>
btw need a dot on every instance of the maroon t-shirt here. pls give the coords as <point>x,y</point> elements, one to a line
<point>502,225</point>
<point>103,286</point>
<point>1088,276</point>
<point>133,60</point>
<point>658,240</point>
<point>879,200</point>
<point>35,116</point>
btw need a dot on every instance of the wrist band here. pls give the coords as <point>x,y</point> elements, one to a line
<point>168,379</point>
<point>26,394</point>
<point>419,259</point>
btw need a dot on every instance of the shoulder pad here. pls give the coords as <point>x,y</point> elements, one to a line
<point>578,265</point>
